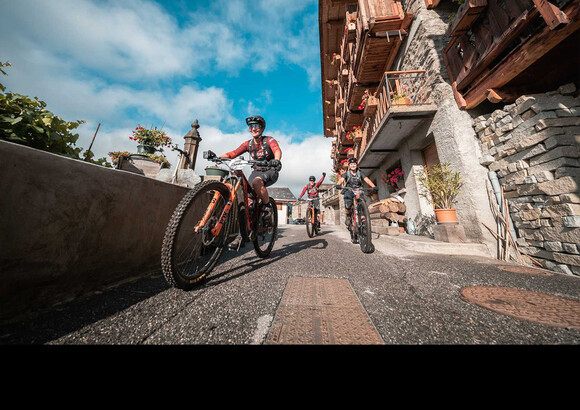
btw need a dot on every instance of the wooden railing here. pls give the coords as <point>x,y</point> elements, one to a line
<point>397,89</point>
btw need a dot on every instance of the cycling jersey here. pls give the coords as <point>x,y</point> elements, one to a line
<point>264,151</point>
<point>354,181</point>
<point>312,190</point>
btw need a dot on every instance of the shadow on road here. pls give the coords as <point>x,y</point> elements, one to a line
<point>63,320</point>
<point>253,262</point>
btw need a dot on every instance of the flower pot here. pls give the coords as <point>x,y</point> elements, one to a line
<point>446,215</point>
<point>216,171</point>
<point>402,101</point>
<point>146,149</point>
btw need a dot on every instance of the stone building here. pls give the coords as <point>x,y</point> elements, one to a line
<point>482,86</point>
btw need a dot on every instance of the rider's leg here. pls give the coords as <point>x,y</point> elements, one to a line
<point>260,189</point>
<point>348,201</point>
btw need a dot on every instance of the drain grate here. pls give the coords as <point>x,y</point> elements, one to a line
<point>321,311</point>
<point>542,308</point>
<point>525,269</point>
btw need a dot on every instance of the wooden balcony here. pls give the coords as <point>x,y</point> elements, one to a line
<point>403,103</point>
<point>381,27</point>
<point>493,42</point>
<point>359,41</point>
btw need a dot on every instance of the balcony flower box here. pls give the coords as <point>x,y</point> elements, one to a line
<point>371,106</point>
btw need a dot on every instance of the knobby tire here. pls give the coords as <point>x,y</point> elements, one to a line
<point>183,249</point>
<point>263,243</point>
<point>310,229</point>
<point>364,236</point>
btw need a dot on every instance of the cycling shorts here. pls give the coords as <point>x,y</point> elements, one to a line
<point>269,177</point>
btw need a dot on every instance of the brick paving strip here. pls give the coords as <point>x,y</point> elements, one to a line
<point>537,307</point>
<point>321,311</point>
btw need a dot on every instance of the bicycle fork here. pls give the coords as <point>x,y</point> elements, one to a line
<point>216,196</point>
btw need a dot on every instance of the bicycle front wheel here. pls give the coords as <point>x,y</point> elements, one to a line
<point>188,256</point>
<point>364,231</point>
<point>265,232</point>
<point>310,229</point>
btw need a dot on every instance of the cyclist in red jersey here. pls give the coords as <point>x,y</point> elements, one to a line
<point>261,148</point>
<point>312,187</point>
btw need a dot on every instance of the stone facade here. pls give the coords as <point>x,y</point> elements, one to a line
<point>450,129</point>
<point>534,146</point>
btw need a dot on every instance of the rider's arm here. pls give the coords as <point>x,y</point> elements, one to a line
<point>303,191</point>
<point>368,181</point>
<point>321,179</point>
<point>275,148</point>
<point>340,181</point>
<point>237,152</point>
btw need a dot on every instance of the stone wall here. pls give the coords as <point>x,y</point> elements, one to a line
<point>534,146</point>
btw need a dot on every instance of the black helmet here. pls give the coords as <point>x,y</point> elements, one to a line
<point>312,178</point>
<point>256,119</point>
<point>351,160</point>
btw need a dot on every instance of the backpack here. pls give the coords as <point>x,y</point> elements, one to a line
<point>263,152</point>
<point>349,176</point>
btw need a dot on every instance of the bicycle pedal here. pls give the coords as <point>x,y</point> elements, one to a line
<point>236,247</point>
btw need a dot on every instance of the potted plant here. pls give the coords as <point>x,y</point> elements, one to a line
<point>115,155</point>
<point>441,186</point>
<point>214,170</point>
<point>355,135</point>
<point>150,140</point>
<point>400,98</point>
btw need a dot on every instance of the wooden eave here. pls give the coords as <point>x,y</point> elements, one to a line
<point>481,60</point>
<point>331,22</point>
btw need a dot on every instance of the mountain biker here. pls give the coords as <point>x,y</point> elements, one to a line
<point>313,187</point>
<point>352,178</point>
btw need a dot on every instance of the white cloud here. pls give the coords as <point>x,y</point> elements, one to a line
<point>133,38</point>
<point>105,60</point>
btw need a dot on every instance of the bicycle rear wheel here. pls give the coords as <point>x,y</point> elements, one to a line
<point>310,229</point>
<point>265,232</point>
<point>186,256</point>
<point>364,231</point>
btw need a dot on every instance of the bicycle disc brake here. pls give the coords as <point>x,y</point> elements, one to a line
<point>207,237</point>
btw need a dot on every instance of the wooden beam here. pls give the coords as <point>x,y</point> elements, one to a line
<point>505,95</point>
<point>554,17</point>
<point>431,4</point>
<point>522,57</point>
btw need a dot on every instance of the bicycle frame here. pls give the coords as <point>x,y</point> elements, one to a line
<point>358,193</point>
<point>240,179</point>
<point>312,210</point>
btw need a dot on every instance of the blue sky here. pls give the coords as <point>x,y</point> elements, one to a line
<point>127,62</point>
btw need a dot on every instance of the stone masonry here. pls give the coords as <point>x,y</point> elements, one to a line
<point>534,146</point>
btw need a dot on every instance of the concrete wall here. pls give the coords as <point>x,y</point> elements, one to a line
<point>68,227</point>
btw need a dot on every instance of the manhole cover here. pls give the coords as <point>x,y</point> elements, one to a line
<point>321,311</point>
<point>525,269</point>
<point>522,304</point>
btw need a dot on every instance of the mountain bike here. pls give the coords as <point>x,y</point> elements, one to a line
<point>360,225</point>
<point>209,217</point>
<point>312,223</point>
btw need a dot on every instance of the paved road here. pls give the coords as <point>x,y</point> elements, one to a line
<point>410,297</point>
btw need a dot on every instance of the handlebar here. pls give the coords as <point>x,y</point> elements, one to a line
<point>211,156</point>
<point>373,189</point>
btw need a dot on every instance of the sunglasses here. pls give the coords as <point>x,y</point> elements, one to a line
<point>258,126</point>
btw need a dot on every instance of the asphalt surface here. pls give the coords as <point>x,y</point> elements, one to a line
<point>411,298</point>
